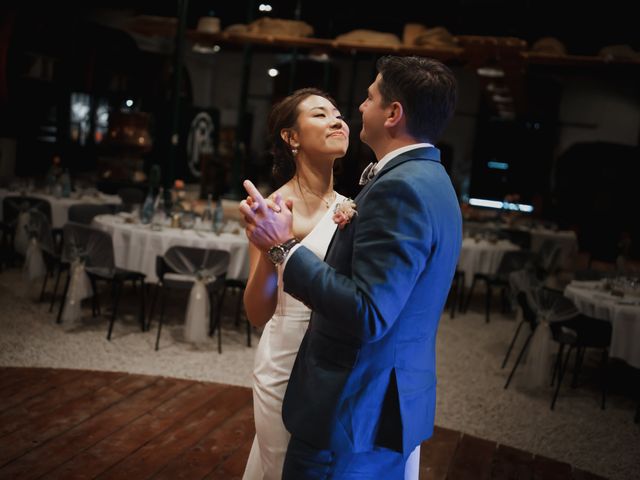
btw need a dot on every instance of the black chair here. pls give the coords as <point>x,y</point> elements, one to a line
<point>456,293</point>
<point>85,212</point>
<point>12,207</point>
<point>239,286</point>
<point>521,238</point>
<point>510,262</point>
<point>547,259</point>
<point>95,248</point>
<point>179,268</point>
<point>578,332</point>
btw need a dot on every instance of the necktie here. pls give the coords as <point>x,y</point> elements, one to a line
<point>368,173</point>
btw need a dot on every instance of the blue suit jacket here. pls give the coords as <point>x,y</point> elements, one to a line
<point>365,373</point>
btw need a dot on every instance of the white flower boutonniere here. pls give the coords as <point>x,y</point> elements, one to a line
<point>344,212</point>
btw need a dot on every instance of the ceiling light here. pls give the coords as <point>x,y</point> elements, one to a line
<point>273,72</point>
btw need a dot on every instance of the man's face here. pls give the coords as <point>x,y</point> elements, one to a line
<point>374,115</point>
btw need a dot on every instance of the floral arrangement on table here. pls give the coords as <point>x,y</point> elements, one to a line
<point>344,212</point>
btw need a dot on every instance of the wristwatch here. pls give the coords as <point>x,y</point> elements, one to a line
<point>278,253</point>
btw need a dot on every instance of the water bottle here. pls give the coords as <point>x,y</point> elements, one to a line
<point>207,216</point>
<point>65,179</point>
<point>159,211</point>
<point>146,215</point>
<point>218,217</point>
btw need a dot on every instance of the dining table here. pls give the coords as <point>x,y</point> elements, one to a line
<point>137,245</point>
<point>601,299</point>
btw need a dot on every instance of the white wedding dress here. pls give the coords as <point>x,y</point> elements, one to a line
<point>274,359</point>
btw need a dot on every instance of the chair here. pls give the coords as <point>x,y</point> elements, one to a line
<point>510,262</point>
<point>521,238</point>
<point>85,212</point>
<point>95,248</point>
<point>240,285</point>
<point>456,293</point>
<point>547,259</point>
<point>179,268</point>
<point>569,328</point>
<point>12,207</point>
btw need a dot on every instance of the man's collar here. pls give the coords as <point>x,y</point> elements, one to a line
<point>398,151</point>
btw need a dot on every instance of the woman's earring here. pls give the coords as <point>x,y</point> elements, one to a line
<point>294,151</point>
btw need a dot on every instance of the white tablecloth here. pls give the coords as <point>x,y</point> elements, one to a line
<point>136,246</point>
<point>60,206</point>
<point>623,313</point>
<point>481,256</point>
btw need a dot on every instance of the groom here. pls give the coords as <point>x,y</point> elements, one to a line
<point>361,397</point>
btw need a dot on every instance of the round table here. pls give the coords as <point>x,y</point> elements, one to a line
<point>624,314</point>
<point>60,205</point>
<point>136,246</point>
<point>482,256</point>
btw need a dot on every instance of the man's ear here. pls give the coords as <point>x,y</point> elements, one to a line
<point>395,113</point>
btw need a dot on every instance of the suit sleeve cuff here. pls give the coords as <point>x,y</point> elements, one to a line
<point>289,253</point>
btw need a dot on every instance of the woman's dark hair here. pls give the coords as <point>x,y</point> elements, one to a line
<point>426,89</point>
<point>284,115</point>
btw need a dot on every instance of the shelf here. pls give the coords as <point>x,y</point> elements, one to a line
<point>471,49</point>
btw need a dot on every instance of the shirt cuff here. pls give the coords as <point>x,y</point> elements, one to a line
<point>289,253</point>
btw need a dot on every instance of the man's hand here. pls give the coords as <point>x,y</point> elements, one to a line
<point>269,222</point>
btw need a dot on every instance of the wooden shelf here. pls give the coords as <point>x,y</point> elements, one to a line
<point>471,49</point>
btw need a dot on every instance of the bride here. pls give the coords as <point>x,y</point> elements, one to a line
<point>308,134</point>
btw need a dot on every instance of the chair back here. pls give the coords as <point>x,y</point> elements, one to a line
<point>92,245</point>
<point>84,212</point>
<point>548,257</point>
<point>194,261</point>
<point>514,260</point>
<point>521,238</point>
<point>13,205</point>
<point>39,227</point>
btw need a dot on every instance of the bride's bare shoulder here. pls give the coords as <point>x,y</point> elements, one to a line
<point>286,191</point>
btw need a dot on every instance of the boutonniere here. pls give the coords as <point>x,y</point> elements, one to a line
<point>344,212</point>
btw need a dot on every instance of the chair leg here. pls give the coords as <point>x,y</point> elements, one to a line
<point>44,285</point>
<point>162,303</point>
<point>487,303</point>
<point>557,364</point>
<point>604,367</point>
<point>117,287</point>
<point>219,322</point>
<point>55,289</point>
<point>513,341</point>
<point>152,305</point>
<point>95,302</point>
<point>563,368</point>
<point>520,355</point>
<point>453,297</point>
<point>578,366</point>
<point>142,304</point>
<point>64,297</point>
<point>469,295</point>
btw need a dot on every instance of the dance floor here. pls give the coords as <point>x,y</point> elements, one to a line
<point>84,424</point>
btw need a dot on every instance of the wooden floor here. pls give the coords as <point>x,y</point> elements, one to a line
<point>72,424</point>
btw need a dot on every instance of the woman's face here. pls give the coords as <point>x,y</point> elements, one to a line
<point>320,129</point>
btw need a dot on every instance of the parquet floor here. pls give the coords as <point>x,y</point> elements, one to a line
<point>77,424</point>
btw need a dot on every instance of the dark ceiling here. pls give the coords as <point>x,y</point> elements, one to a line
<point>583,27</point>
